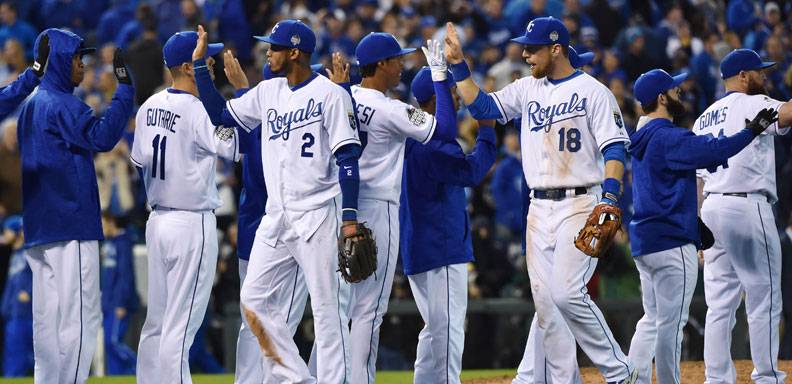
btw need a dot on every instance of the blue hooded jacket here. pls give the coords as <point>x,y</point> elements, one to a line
<point>435,230</point>
<point>58,136</point>
<point>664,162</point>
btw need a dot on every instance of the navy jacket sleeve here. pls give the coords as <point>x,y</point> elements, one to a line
<point>13,94</point>
<point>688,151</point>
<point>81,128</point>
<point>450,165</point>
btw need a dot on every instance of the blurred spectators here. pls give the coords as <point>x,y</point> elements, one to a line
<point>13,28</point>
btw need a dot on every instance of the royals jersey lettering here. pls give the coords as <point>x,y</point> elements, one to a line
<point>388,123</point>
<point>177,146</point>
<point>302,127</point>
<point>565,126</point>
<point>753,169</point>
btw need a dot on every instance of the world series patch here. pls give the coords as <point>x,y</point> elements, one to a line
<point>416,116</point>
<point>224,133</point>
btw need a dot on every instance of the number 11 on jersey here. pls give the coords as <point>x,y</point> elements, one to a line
<point>159,156</point>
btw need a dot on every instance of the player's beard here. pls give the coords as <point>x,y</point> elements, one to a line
<point>675,108</point>
<point>539,72</point>
<point>756,88</point>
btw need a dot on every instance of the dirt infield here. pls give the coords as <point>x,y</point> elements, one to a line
<point>692,372</point>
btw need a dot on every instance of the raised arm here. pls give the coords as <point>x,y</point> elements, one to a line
<point>448,164</point>
<point>13,94</point>
<point>212,100</point>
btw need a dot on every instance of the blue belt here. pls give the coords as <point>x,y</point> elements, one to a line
<point>557,194</point>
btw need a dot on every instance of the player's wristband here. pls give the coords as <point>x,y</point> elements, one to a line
<point>611,189</point>
<point>460,71</point>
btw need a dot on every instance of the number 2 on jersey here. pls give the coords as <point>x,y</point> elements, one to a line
<point>570,137</point>
<point>308,143</point>
<point>159,156</point>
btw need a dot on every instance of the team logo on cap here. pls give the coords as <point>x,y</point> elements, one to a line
<point>275,28</point>
<point>530,27</point>
<point>553,36</point>
<point>295,40</point>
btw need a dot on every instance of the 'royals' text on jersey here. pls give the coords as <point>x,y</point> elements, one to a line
<point>565,126</point>
<point>301,129</point>
<point>177,146</point>
<point>753,168</point>
<point>388,123</point>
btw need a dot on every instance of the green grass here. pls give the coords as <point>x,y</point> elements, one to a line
<point>383,377</point>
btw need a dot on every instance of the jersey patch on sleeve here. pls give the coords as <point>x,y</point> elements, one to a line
<point>416,116</point>
<point>618,118</point>
<point>352,124</point>
<point>224,133</point>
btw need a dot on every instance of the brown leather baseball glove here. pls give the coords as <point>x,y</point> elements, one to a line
<point>357,254</point>
<point>601,226</point>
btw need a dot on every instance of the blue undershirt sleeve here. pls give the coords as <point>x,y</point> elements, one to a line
<point>349,179</point>
<point>484,107</point>
<point>212,100</point>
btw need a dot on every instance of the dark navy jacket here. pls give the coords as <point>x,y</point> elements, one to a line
<point>664,162</point>
<point>20,278</point>
<point>435,230</point>
<point>118,275</point>
<point>58,136</point>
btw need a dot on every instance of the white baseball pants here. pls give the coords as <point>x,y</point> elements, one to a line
<point>66,309</point>
<point>533,366</point>
<point>559,273</point>
<point>182,258</point>
<point>369,298</point>
<point>266,292</point>
<point>668,279</point>
<point>746,258</point>
<point>250,362</point>
<point>441,297</point>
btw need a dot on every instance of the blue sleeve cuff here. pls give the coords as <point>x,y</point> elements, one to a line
<point>615,151</point>
<point>348,179</point>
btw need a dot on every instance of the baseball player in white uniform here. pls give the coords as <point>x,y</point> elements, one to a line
<point>572,136</point>
<point>306,121</point>
<point>176,147</point>
<point>386,124</point>
<point>746,256</point>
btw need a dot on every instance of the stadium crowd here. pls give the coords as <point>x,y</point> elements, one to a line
<point>628,37</point>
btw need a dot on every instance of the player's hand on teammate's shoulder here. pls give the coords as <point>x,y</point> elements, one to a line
<point>340,72</point>
<point>762,120</point>
<point>201,46</point>
<point>453,48</point>
<point>233,71</point>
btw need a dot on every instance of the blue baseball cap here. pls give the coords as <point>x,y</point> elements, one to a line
<point>422,86</point>
<point>742,60</point>
<point>292,34</point>
<point>579,60</point>
<point>544,31</point>
<point>654,83</point>
<point>179,48</point>
<point>267,73</point>
<point>378,46</point>
<point>13,223</point>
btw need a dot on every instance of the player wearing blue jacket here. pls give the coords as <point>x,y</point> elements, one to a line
<point>16,307</point>
<point>664,231</point>
<point>119,297</point>
<point>435,236</point>
<point>58,136</point>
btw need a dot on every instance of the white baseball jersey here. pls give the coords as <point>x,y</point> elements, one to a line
<point>565,126</point>
<point>177,146</point>
<point>302,127</point>
<point>388,123</point>
<point>753,168</point>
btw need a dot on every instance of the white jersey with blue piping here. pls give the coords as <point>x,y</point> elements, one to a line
<point>177,146</point>
<point>753,168</point>
<point>301,128</point>
<point>387,123</point>
<point>565,125</point>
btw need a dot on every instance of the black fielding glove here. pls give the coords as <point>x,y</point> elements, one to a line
<point>763,119</point>
<point>120,69</point>
<point>42,55</point>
